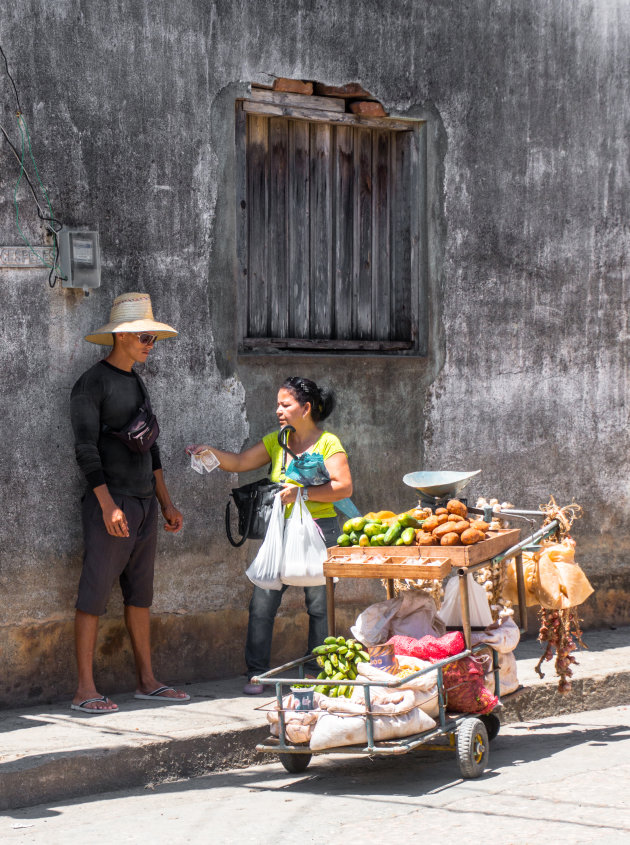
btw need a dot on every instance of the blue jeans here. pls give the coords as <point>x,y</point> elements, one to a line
<point>264,605</point>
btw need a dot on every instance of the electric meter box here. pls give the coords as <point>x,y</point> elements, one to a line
<point>79,258</point>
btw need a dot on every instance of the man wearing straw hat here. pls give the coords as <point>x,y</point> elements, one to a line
<point>115,432</point>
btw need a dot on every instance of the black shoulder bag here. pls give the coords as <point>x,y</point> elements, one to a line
<point>254,502</point>
<point>142,430</point>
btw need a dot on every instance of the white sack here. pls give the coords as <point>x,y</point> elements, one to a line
<point>503,636</point>
<point>411,614</point>
<point>334,731</point>
<point>508,678</point>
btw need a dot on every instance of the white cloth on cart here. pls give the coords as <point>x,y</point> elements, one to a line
<point>411,614</point>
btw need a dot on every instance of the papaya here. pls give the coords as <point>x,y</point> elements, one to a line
<point>347,527</point>
<point>372,529</point>
<point>408,521</point>
<point>364,540</point>
<point>358,523</point>
<point>343,540</point>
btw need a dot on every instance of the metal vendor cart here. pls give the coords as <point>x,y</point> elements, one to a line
<point>468,734</point>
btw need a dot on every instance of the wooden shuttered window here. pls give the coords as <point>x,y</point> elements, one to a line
<point>330,232</point>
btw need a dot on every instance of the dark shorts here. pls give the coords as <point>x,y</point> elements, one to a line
<point>106,558</point>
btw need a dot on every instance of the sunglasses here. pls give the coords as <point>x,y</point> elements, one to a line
<point>147,339</point>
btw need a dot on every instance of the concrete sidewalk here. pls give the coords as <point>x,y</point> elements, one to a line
<point>49,754</point>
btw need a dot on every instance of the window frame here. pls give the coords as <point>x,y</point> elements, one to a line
<point>323,110</point>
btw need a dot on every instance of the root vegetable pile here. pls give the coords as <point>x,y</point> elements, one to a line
<point>450,526</point>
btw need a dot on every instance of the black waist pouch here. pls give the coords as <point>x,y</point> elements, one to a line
<point>142,430</point>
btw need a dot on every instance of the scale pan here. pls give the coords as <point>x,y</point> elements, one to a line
<point>439,484</point>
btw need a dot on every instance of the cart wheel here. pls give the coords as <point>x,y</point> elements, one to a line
<point>472,748</point>
<point>492,723</point>
<point>295,764</point>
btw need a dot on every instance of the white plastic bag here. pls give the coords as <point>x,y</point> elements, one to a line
<point>264,570</point>
<point>304,549</point>
<point>451,611</point>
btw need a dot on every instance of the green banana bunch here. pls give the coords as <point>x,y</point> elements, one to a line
<point>338,658</point>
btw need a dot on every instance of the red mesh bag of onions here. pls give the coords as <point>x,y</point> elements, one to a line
<point>465,688</point>
<point>463,680</point>
<point>429,648</point>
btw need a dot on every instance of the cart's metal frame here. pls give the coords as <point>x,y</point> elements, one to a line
<point>448,724</point>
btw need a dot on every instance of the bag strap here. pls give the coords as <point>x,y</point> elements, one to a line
<point>228,530</point>
<point>106,429</point>
<point>283,440</point>
<point>145,393</point>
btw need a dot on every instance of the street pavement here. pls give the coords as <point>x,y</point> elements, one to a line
<point>50,754</point>
<point>565,778</point>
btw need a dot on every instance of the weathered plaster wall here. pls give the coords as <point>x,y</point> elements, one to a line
<point>130,106</point>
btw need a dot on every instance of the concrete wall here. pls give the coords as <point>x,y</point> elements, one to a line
<point>131,111</point>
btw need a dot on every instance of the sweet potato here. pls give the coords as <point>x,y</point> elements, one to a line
<point>462,526</point>
<point>479,524</point>
<point>472,536</point>
<point>450,539</point>
<point>442,518</point>
<point>438,511</point>
<point>425,539</point>
<point>455,517</point>
<point>441,530</point>
<point>431,523</point>
<point>455,506</point>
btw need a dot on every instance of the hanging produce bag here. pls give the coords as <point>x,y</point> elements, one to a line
<point>552,578</point>
<point>264,570</point>
<point>309,470</point>
<point>304,549</point>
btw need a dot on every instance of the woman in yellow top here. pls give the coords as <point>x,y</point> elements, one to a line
<point>303,405</point>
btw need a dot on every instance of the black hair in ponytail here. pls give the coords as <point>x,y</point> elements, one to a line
<point>304,390</point>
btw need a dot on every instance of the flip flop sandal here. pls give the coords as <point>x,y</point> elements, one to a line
<point>156,695</point>
<point>93,711</point>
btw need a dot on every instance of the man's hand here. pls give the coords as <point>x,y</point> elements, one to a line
<point>173,519</point>
<point>115,520</point>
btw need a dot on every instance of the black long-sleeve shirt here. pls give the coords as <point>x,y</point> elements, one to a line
<point>106,395</point>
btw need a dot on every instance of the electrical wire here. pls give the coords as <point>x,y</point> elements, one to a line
<point>40,213</point>
<point>52,224</point>
<point>17,96</point>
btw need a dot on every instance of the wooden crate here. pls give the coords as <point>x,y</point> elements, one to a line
<point>383,566</point>
<point>496,542</point>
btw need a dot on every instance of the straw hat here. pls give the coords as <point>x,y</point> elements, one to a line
<point>131,312</point>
